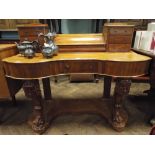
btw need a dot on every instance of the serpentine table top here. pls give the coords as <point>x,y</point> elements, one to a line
<point>107,63</point>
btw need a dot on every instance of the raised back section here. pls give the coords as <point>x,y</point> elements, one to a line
<point>118,36</point>
<point>80,42</point>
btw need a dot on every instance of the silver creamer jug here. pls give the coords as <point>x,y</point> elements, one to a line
<point>49,48</point>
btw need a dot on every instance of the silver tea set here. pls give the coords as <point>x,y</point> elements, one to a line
<point>49,49</point>
<point>27,48</point>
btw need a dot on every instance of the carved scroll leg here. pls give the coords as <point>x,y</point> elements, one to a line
<point>37,121</point>
<point>120,116</point>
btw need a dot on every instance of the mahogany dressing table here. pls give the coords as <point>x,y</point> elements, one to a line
<point>128,65</point>
<point>84,54</point>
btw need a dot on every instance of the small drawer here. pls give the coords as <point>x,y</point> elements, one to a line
<point>28,33</point>
<point>79,67</point>
<point>30,38</point>
<point>31,32</point>
<point>121,31</point>
<point>119,39</point>
<point>119,48</point>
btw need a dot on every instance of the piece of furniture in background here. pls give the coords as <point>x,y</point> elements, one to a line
<point>12,23</point>
<point>31,31</point>
<point>8,87</point>
<point>8,29</point>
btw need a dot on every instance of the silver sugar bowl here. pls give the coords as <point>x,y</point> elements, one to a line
<point>27,48</point>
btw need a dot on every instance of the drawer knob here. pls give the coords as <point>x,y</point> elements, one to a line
<point>67,66</point>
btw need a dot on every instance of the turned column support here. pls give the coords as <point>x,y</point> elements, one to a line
<point>37,120</point>
<point>119,115</point>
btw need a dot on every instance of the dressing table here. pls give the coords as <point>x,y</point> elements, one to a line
<point>80,54</point>
<point>112,64</point>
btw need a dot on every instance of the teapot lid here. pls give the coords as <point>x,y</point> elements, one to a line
<point>26,42</point>
<point>50,34</point>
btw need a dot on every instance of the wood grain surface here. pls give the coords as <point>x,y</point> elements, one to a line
<point>107,63</point>
<point>80,39</point>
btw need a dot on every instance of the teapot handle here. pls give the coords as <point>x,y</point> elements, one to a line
<point>35,44</point>
<point>41,35</point>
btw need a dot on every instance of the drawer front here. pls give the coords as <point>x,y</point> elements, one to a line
<point>26,32</point>
<point>119,47</point>
<point>79,67</point>
<point>121,31</point>
<point>119,39</point>
<point>30,38</point>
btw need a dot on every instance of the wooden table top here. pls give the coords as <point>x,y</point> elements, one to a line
<point>80,39</point>
<point>105,56</point>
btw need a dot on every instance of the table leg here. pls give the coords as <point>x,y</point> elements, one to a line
<point>119,114</point>
<point>37,121</point>
<point>47,89</point>
<point>107,86</point>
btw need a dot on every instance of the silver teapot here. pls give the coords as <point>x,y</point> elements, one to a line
<point>27,48</point>
<point>50,48</point>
